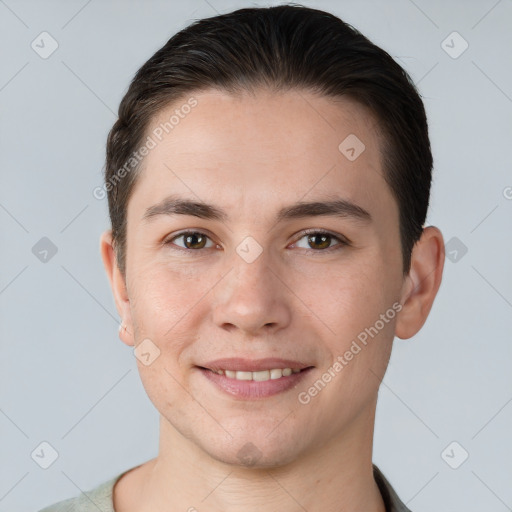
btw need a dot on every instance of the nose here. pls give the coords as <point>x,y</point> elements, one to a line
<point>252,298</point>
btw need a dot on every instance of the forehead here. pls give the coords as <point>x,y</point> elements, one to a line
<point>240,150</point>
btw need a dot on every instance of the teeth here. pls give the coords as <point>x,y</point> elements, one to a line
<point>276,374</point>
<point>260,376</point>
<point>263,375</point>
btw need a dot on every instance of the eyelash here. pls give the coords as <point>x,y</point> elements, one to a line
<point>343,242</point>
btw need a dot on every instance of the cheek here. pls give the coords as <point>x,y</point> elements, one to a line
<point>161,314</point>
<point>169,309</point>
<point>356,303</point>
<point>347,296</point>
<point>162,296</point>
<point>165,390</point>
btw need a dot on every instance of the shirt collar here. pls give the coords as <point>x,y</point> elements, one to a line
<point>390,497</point>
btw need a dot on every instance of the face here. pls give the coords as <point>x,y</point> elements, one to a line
<point>257,281</point>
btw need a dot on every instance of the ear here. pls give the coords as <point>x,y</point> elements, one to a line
<point>422,283</point>
<point>118,285</point>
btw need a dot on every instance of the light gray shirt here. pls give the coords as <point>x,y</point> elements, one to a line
<point>100,498</point>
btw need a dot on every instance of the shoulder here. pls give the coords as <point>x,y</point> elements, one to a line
<point>392,501</point>
<point>98,498</point>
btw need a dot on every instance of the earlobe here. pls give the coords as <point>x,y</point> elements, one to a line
<point>422,283</point>
<point>118,286</point>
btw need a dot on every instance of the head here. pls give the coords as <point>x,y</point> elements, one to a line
<point>223,136</point>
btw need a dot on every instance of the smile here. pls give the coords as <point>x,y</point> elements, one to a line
<point>250,379</point>
<point>260,376</point>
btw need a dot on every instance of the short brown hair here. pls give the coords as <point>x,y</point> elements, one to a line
<point>281,48</point>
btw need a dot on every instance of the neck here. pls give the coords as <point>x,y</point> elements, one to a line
<point>336,475</point>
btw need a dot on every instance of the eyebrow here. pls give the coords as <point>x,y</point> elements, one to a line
<point>174,205</point>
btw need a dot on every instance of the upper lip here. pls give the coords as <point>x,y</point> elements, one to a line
<point>253,365</point>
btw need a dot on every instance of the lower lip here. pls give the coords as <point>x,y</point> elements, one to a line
<point>251,389</point>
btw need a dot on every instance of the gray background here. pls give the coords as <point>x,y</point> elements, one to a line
<point>68,380</point>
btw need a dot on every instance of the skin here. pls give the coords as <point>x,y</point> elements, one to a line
<point>252,155</point>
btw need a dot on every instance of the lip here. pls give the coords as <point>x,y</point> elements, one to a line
<point>252,365</point>
<point>251,389</point>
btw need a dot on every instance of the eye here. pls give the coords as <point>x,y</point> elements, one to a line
<point>192,240</point>
<point>320,241</point>
<point>315,240</point>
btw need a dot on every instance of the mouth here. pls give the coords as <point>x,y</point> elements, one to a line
<point>259,376</point>
<point>254,379</point>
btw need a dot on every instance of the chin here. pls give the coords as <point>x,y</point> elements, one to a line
<point>254,452</point>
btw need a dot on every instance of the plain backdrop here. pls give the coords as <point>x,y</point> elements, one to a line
<point>445,409</point>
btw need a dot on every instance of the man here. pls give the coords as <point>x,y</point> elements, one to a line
<point>268,180</point>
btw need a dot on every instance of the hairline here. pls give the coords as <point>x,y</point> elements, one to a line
<point>236,89</point>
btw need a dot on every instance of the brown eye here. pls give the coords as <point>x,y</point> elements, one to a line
<point>192,240</point>
<point>321,241</point>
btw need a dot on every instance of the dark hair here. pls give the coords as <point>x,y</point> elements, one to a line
<point>281,48</point>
